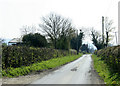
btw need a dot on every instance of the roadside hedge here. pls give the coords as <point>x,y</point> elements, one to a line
<point>111,56</point>
<point>38,67</point>
<point>17,56</point>
<point>104,71</point>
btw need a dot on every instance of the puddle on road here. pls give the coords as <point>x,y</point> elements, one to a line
<point>74,69</point>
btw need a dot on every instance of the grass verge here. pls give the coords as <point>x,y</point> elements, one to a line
<point>37,67</point>
<point>104,72</point>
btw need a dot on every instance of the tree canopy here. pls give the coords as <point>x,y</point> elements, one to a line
<point>35,40</point>
<point>97,39</point>
<point>58,29</point>
<point>76,42</point>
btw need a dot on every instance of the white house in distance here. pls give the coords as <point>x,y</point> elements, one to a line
<point>15,41</point>
<point>119,23</point>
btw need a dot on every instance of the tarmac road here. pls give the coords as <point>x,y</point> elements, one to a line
<point>80,71</point>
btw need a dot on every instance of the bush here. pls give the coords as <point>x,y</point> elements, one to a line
<point>104,71</point>
<point>16,56</point>
<point>37,67</point>
<point>111,55</point>
<point>35,40</point>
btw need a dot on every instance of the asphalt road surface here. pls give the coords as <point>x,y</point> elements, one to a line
<point>80,71</point>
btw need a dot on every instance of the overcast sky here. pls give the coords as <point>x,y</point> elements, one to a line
<point>87,13</point>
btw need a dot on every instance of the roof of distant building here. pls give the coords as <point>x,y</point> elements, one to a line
<point>15,40</point>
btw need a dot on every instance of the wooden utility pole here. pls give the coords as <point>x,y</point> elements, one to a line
<point>116,36</point>
<point>103,29</point>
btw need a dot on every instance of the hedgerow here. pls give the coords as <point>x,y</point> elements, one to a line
<point>111,55</point>
<point>17,56</point>
<point>37,67</point>
<point>111,58</point>
<point>104,71</point>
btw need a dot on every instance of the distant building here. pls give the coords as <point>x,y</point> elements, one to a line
<point>15,41</point>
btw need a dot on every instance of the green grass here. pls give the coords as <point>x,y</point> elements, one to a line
<point>104,71</point>
<point>36,67</point>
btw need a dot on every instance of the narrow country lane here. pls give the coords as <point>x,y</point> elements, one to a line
<point>79,71</point>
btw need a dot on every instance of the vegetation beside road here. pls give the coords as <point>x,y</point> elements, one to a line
<point>33,50</point>
<point>111,56</point>
<point>36,52</point>
<point>39,66</point>
<point>17,56</point>
<point>107,64</point>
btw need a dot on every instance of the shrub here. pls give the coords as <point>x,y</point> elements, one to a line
<point>35,40</point>
<point>104,71</point>
<point>37,67</point>
<point>17,56</point>
<point>111,55</point>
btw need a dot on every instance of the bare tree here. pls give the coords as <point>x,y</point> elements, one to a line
<point>97,39</point>
<point>56,26</point>
<point>27,29</point>
<point>87,32</point>
<point>108,30</point>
